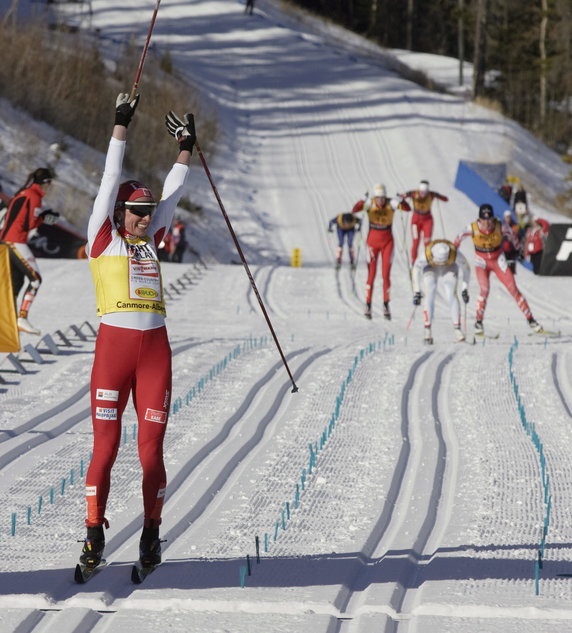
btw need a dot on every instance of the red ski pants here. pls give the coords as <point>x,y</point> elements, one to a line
<point>420,224</point>
<point>138,362</point>
<point>484,268</point>
<point>379,242</point>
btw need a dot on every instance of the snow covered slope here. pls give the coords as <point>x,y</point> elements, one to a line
<point>401,488</point>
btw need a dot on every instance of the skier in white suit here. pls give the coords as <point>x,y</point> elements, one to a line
<point>441,260</point>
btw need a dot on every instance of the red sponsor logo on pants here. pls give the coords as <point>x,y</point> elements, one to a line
<point>152,415</point>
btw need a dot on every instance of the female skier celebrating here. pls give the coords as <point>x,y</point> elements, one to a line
<point>132,353</point>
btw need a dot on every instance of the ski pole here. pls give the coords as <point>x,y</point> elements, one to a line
<point>441,219</point>
<point>144,53</point>
<point>359,240</point>
<point>404,247</point>
<point>411,318</point>
<point>244,262</point>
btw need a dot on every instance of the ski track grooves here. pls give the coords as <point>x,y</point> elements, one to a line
<point>554,369</point>
<point>15,443</point>
<point>113,583</point>
<point>180,479</point>
<point>389,523</point>
<point>321,216</point>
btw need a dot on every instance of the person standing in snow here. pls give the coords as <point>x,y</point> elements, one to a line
<point>179,241</point>
<point>520,201</point>
<point>132,352</point>
<point>249,6</point>
<point>534,239</point>
<point>441,261</point>
<point>487,235</point>
<point>511,245</point>
<point>346,225</point>
<point>422,219</point>
<point>380,211</point>
<point>24,215</point>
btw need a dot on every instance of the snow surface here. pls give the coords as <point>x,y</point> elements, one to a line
<point>421,504</point>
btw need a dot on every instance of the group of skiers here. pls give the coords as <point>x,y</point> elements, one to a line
<point>440,258</point>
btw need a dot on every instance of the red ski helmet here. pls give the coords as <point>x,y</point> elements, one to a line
<point>132,190</point>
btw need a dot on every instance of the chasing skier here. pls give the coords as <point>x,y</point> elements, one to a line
<point>487,235</point>
<point>422,218</point>
<point>347,224</point>
<point>132,353</point>
<point>441,261</point>
<point>380,211</point>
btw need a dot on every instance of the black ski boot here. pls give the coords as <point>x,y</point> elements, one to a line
<point>367,312</point>
<point>93,546</point>
<point>149,547</point>
<point>386,311</point>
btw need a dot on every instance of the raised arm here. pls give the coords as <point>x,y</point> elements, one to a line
<point>466,232</point>
<point>183,130</point>
<point>104,204</point>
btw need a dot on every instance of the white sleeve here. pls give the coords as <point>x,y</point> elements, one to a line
<point>417,274</point>
<point>466,232</point>
<point>172,191</point>
<point>104,204</point>
<point>464,269</point>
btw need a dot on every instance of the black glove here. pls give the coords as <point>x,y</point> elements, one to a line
<point>330,229</point>
<point>465,296</point>
<point>365,196</point>
<point>183,131</point>
<point>49,216</point>
<point>417,299</point>
<point>125,109</point>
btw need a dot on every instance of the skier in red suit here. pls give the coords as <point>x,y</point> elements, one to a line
<point>487,235</point>
<point>422,219</point>
<point>380,211</point>
<point>132,352</point>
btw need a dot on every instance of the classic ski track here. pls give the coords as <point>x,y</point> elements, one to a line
<point>265,275</point>
<point>95,600</point>
<point>56,421</point>
<point>320,215</point>
<point>425,376</point>
<point>352,303</point>
<point>353,300</point>
<point>562,386</point>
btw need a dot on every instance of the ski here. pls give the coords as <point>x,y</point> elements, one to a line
<point>547,333</point>
<point>83,573</point>
<point>140,572</point>
<point>489,336</point>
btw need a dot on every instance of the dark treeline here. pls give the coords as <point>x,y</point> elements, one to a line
<point>521,50</point>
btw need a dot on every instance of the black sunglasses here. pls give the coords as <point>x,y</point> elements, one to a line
<point>141,209</point>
